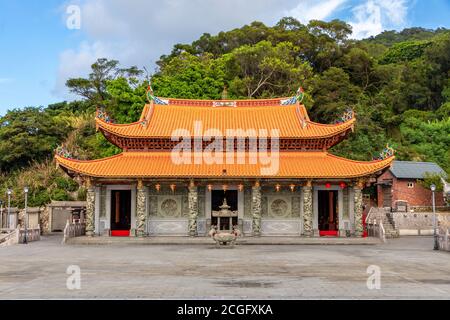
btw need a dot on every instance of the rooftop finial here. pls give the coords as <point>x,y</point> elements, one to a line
<point>225,93</point>
<point>299,95</point>
<point>149,93</point>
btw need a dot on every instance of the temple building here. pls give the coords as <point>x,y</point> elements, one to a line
<point>259,165</point>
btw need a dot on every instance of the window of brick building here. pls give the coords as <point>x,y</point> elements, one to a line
<point>410,185</point>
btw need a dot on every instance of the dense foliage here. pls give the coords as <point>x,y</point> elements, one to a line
<point>397,82</point>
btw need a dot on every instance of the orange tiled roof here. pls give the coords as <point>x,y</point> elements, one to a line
<point>162,120</point>
<point>160,165</point>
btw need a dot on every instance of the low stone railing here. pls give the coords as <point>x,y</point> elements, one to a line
<point>376,229</point>
<point>374,223</point>
<point>73,230</point>
<point>9,238</point>
<point>32,234</point>
<point>444,233</point>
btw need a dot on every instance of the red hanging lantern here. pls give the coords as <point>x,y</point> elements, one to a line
<point>328,185</point>
<point>342,185</point>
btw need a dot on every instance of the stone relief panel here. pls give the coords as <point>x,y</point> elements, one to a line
<point>103,201</point>
<point>345,212</point>
<point>169,206</point>
<point>201,202</point>
<point>277,227</point>
<point>248,202</point>
<point>185,206</point>
<point>279,207</point>
<point>264,210</point>
<point>168,227</point>
<point>247,226</point>
<point>296,210</point>
<point>201,227</point>
<point>153,205</point>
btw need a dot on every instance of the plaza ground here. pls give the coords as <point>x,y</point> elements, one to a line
<point>409,269</point>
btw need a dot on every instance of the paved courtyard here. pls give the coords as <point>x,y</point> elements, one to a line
<point>408,266</point>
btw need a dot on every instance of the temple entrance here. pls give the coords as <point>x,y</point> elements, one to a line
<point>328,212</point>
<point>120,213</point>
<point>224,209</point>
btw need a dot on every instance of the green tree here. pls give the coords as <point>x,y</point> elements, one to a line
<point>93,88</point>
<point>29,134</point>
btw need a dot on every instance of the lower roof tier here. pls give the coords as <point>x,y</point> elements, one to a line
<point>284,165</point>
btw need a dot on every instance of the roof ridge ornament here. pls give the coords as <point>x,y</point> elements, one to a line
<point>150,95</point>
<point>348,115</point>
<point>225,104</point>
<point>387,152</point>
<point>103,115</point>
<point>63,152</point>
<point>293,100</point>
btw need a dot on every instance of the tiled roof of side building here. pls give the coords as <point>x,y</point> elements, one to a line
<point>160,165</point>
<point>413,169</point>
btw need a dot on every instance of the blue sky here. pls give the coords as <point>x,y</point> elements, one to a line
<point>39,52</point>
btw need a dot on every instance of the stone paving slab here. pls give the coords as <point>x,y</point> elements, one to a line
<point>409,269</point>
<point>208,241</point>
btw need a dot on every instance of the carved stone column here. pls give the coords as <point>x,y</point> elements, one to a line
<point>90,208</point>
<point>308,209</point>
<point>256,209</point>
<point>357,188</point>
<point>140,209</point>
<point>193,208</point>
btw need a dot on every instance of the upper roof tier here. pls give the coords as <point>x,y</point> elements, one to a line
<point>160,121</point>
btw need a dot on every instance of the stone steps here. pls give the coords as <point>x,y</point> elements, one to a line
<point>161,240</point>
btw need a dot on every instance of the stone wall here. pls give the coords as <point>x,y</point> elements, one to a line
<point>415,223</point>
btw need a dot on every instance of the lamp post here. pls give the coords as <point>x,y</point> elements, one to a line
<point>25,190</point>
<point>436,244</point>
<point>1,214</point>
<point>8,222</point>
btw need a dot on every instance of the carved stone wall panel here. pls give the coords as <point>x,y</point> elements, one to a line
<point>248,202</point>
<point>279,207</point>
<point>247,227</point>
<point>103,201</point>
<point>280,227</point>
<point>153,206</point>
<point>185,206</point>
<point>169,207</point>
<point>264,208</point>
<point>296,210</point>
<point>168,227</point>
<point>201,227</point>
<point>346,210</point>
<point>201,202</point>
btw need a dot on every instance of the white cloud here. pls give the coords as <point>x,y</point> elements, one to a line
<point>315,9</point>
<point>138,32</point>
<point>76,63</point>
<point>374,16</point>
<point>5,80</point>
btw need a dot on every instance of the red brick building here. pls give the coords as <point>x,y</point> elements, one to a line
<point>399,184</point>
